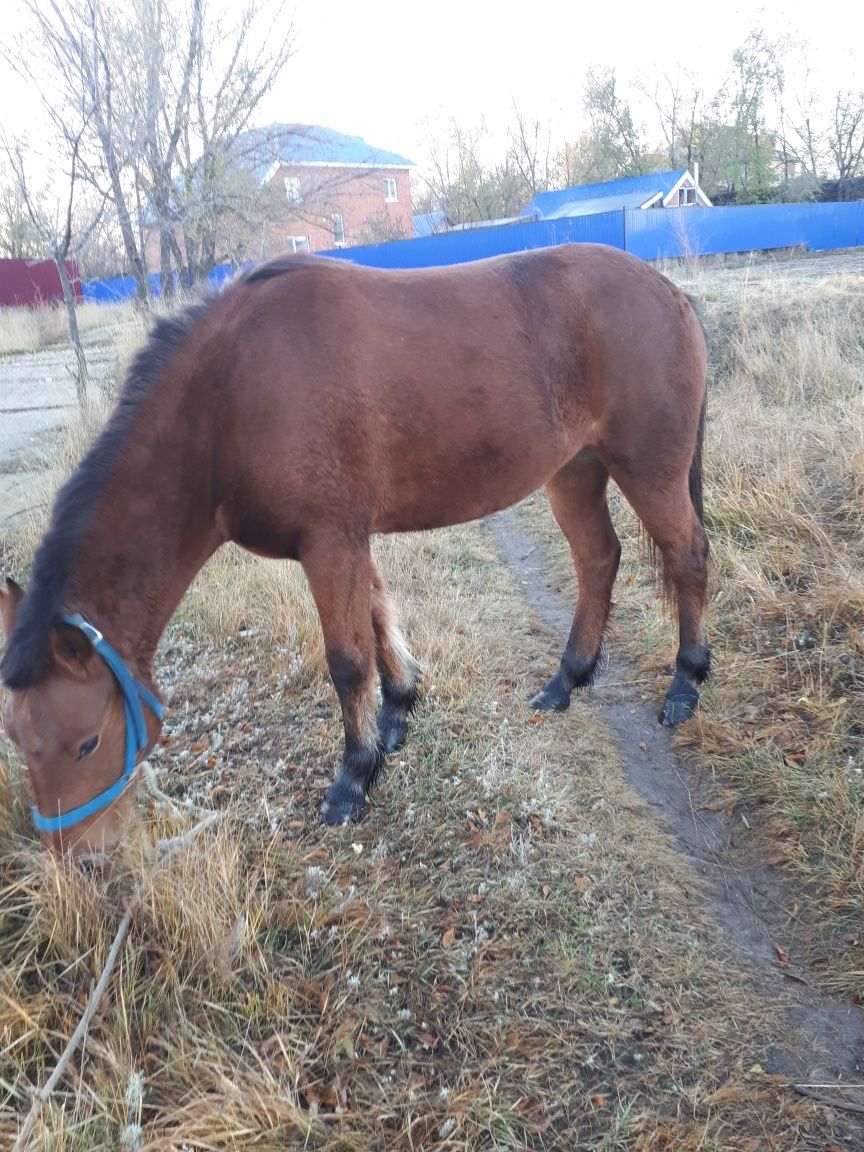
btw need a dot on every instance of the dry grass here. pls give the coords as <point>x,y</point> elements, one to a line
<point>506,954</point>
<point>783,721</point>
<point>29,329</point>
<point>496,958</point>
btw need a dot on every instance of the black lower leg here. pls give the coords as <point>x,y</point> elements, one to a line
<point>574,672</point>
<point>692,667</point>
<point>397,703</point>
<point>346,798</point>
<point>364,753</point>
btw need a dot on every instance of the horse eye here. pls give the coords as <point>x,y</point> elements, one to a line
<point>88,747</point>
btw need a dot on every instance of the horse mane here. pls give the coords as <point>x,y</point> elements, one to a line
<point>290,262</point>
<point>27,659</point>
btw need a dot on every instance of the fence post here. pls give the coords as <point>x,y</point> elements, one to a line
<point>624,228</point>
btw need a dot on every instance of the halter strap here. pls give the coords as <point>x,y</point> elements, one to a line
<point>135,694</point>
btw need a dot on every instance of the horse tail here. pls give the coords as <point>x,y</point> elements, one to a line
<point>696,464</point>
<point>695,479</point>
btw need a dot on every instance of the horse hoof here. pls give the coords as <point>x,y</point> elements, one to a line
<point>344,803</point>
<point>394,737</point>
<point>393,728</point>
<point>335,814</point>
<point>554,700</point>
<point>681,702</point>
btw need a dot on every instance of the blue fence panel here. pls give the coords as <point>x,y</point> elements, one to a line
<point>478,243</point>
<point>836,225</point>
<point>109,291</point>
<point>655,234</point>
<point>652,234</point>
<point>119,288</point>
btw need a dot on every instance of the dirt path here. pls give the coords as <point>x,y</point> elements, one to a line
<point>812,266</point>
<point>748,903</point>
<point>37,395</point>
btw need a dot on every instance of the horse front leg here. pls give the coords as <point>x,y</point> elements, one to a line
<point>339,572</point>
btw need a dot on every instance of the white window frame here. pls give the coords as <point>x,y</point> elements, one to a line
<point>297,244</point>
<point>292,190</point>
<point>686,196</point>
<point>338,229</point>
<point>391,190</point>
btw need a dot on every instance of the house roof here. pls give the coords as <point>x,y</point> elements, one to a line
<point>597,204</point>
<point>603,197</point>
<point>428,223</point>
<point>313,145</point>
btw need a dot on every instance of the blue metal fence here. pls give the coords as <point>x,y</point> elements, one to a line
<point>656,234</point>
<point>478,243</point>
<point>652,234</point>
<point>118,288</point>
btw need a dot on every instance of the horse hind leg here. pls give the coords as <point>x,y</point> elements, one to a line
<point>577,495</point>
<point>339,573</point>
<point>672,521</point>
<point>397,668</point>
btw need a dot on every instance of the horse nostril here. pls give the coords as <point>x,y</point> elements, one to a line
<point>91,863</point>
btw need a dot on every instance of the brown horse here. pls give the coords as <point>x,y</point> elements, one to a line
<point>313,404</point>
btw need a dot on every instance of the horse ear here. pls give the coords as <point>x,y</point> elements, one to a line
<point>10,597</point>
<point>72,650</point>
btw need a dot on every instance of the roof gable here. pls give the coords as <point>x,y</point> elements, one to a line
<point>636,189</point>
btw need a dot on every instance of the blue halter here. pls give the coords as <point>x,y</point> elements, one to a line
<point>134,694</point>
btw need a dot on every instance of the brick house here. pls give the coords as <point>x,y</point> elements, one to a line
<point>319,189</point>
<point>331,190</point>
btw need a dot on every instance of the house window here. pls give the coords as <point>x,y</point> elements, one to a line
<point>686,196</point>
<point>390,195</point>
<point>338,229</point>
<point>297,244</point>
<point>292,189</point>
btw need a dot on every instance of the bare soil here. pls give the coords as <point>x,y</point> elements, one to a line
<point>37,397</point>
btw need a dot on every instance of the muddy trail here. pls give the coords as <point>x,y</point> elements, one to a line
<point>749,901</point>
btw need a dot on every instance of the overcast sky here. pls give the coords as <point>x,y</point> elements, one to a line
<point>387,71</point>
<point>381,70</point>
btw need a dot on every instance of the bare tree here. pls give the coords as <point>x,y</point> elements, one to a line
<point>52,220</point>
<point>465,186</point>
<point>19,240</point>
<point>846,137</point>
<point>677,98</point>
<point>170,84</point>
<point>381,229</point>
<point>162,50</point>
<point>530,153</point>
<point>75,70</point>
<point>235,64</point>
<point>804,123</point>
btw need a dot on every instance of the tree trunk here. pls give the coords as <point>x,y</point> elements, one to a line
<point>165,264</point>
<point>74,334</point>
<point>123,218</point>
<point>184,266</point>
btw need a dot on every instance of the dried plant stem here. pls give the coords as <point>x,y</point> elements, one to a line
<point>828,1101</point>
<point>164,849</point>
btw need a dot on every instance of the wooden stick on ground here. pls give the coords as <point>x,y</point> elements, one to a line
<point>828,1101</point>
